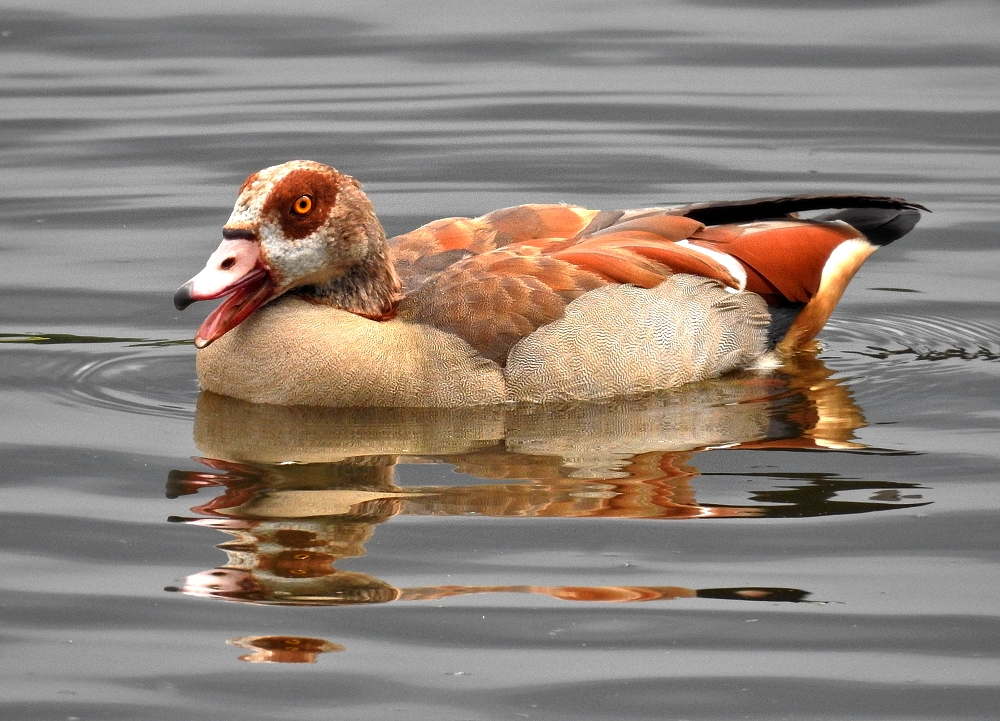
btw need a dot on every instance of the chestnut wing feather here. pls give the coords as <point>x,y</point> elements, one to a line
<point>495,299</point>
<point>783,259</point>
<point>431,248</point>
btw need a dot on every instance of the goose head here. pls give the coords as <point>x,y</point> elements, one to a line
<point>298,228</point>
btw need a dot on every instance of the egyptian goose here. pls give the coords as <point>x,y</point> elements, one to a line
<point>533,303</point>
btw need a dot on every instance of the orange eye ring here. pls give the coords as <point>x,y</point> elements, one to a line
<point>302,205</point>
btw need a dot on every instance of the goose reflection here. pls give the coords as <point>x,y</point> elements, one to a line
<point>299,489</point>
<point>283,649</point>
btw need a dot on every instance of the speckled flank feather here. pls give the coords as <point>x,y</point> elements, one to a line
<point>623,340</point>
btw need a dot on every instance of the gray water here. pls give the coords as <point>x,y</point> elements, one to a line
<point>818,543</point>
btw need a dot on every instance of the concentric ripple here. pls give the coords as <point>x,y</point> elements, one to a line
<point>925,338</point>
<point>895,356</point>
<point>119,374</point>
<point>919,342</point>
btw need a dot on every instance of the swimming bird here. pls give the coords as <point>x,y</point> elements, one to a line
<point>534,303</point>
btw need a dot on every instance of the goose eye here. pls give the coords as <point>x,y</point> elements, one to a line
<point>303,205</point>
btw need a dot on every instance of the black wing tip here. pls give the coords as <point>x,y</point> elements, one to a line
<point>880,226</point>
<point>746,211</point>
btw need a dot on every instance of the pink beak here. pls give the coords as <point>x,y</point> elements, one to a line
<point>235,269</point>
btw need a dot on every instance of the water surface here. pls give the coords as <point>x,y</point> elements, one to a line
<point>818,542</point>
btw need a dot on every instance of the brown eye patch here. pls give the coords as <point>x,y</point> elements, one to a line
<point>301,201</point>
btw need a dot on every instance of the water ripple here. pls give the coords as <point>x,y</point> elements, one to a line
<point>894,359</point>
<point>160,384</point>
<point>910,339</point>
<point>146,377</point>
